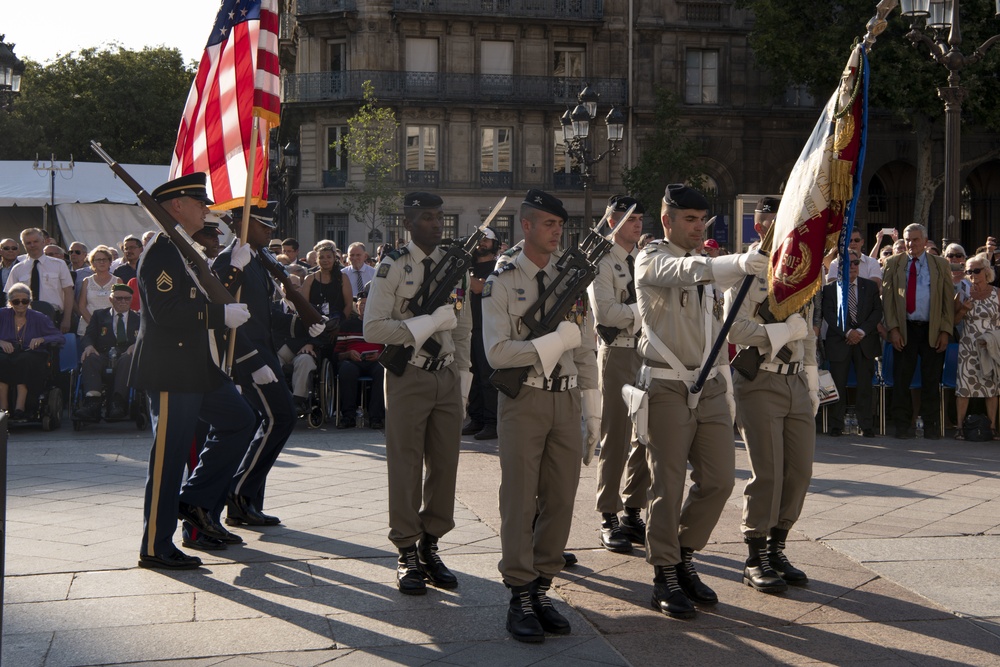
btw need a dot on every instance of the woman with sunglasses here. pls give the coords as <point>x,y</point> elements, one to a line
<point>982,315</point>
<point>96,288</point>
<point>23,332</point>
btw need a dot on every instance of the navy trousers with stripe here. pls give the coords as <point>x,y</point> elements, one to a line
<point>175,416</point>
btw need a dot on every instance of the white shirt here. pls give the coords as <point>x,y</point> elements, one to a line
<point>367,273</point>
<point>53,277</point>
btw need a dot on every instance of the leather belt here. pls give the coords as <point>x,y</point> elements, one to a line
<point>431,364</point>
<point>782,369</point>
<point>647,373</point>
<point>561,383</point>
<point>624,340</point>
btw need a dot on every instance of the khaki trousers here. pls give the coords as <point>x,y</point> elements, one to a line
<point>775,416</point>
<point>422,438</point>
<point>541,445</point>
<point>677,435</point>
<point>619,452</point>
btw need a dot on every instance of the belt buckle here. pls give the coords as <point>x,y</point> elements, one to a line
<point>562,383</point>
<point>433,365</point>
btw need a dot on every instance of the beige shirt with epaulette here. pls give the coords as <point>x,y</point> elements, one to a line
<point>609,291</point>
<point>396,282</point>
<point>507,295</point>
<point>748,327</point>
<point>667,289</point>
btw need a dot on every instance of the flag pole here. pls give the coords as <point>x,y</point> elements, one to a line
<point>247,203</point>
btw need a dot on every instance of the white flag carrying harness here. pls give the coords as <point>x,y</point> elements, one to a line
<point>637,399</point>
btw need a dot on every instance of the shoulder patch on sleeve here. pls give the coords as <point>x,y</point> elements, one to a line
<point>383,269</point>
<point>487,288</point>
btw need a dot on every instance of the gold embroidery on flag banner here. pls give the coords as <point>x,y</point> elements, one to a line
<point>793,269</point>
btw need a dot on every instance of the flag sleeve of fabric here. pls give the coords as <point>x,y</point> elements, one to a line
<point>235,92</point>
<point>819,199</point>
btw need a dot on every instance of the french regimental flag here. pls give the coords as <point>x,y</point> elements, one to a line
<point>820,198</point>
<point>233,101</point>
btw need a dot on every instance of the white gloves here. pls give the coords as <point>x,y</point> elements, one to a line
<point>236,314</point>
<point>242,253</point>
<point>264,375</point>
<point>316,330</point>
<point>728,270</point>
<point>812,378</point>
<point>551,346</point>
<point>781,333</point>
<point>444,318</point>
<point>591,405</point>
<point>465,380</point>
<point>636,319</point>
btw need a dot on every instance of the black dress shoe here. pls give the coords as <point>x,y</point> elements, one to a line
<point>691,583</point>
<point>488,433</point>
<point>202,520</point>
<point>119,408</point>
<point>18,416</point>
<point>612,538</point>
<point>376,424</point>
<point>835,432</point>
<point>903,434</point>
<point>241,510</point>
<point>347,422</point>
<point>409,576</point>
<point>178,560</point>
<point>570,559</point>
<point>668,597</point>
<point>868,433</point>
<point>202,542</point>
<point>472,427</point>
<point>230,538</point>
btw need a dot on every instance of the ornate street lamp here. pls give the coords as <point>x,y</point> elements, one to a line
<point>286,181</point>
<point>941,18</point>
<point>11,69</point>
<point>576,134</point>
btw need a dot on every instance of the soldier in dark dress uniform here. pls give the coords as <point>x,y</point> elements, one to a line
<point>176,362</point>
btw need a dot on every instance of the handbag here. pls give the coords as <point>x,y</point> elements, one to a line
<point>977,428</point>
<point>827,389</point>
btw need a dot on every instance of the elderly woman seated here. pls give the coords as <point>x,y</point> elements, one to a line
<point>23,333</point>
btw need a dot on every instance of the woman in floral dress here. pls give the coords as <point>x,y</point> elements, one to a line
<point>983,315</point>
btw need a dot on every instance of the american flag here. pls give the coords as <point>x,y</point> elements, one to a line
<point>235,92</point>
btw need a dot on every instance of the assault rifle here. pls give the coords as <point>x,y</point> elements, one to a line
<point>577,269</point>
<point>213,287</point>
<point>435,291</point>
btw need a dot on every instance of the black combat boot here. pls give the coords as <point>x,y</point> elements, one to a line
<point>612,538</point>
<point>551,620</point>
<point>409,578</point>
<point>431,564</point>
<point>690,582</point>
<point>776,557</point>
<point>632,526</point>
<point>668,596</point>
<point>522,623</point>
<point>758,573</point>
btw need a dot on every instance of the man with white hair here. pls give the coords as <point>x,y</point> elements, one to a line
<point>359,273</point>
<point>48,278</point>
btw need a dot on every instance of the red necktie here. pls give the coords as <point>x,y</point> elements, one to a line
<point>911,288</point>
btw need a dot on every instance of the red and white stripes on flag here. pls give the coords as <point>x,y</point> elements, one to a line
<point>236,91</point>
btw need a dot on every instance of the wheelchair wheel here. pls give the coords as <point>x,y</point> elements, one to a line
<point>142,421</point>
<point>53,410</point>
<point>315,417</point>
<point>328,390</point>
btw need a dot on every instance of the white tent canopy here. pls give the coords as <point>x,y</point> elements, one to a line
<point>92,204</point>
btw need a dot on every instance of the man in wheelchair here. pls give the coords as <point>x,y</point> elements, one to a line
<point>108,344</point>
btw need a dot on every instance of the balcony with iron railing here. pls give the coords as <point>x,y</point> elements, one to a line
<point>335,178</point>
<point>308,7</point>
<point>563,10</point>
<point>345,85</point>
<point>562,180</point>
<point>502,180</point>
<point>422,178</point>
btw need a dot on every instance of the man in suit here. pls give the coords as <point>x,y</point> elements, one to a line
<point>110,338</point>
<point>918,300</point>
<point>858,345</point>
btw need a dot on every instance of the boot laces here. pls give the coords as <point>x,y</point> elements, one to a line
<point>410,558</point>
<point>776,551</point>
<point>525,600</point>
<point>765,563</point>
<point>688,565</point>
<point>670,579</point>
<point>542,595</point>
<point>611,522</point>
<point>635,517</point>
<point>431,554</point>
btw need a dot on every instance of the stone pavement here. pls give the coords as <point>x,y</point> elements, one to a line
<point>901,540</point>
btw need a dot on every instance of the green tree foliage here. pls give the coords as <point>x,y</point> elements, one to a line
<point>130,101</point>
<point>370,147</point>
<point>809,43</point>
<point>668,155</point>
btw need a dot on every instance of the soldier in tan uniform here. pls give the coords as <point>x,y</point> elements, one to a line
<point>775,412</point>
<point>613,302</point>
<point>540,439</point>
<point>681,303</point>
<point>423,405</point>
